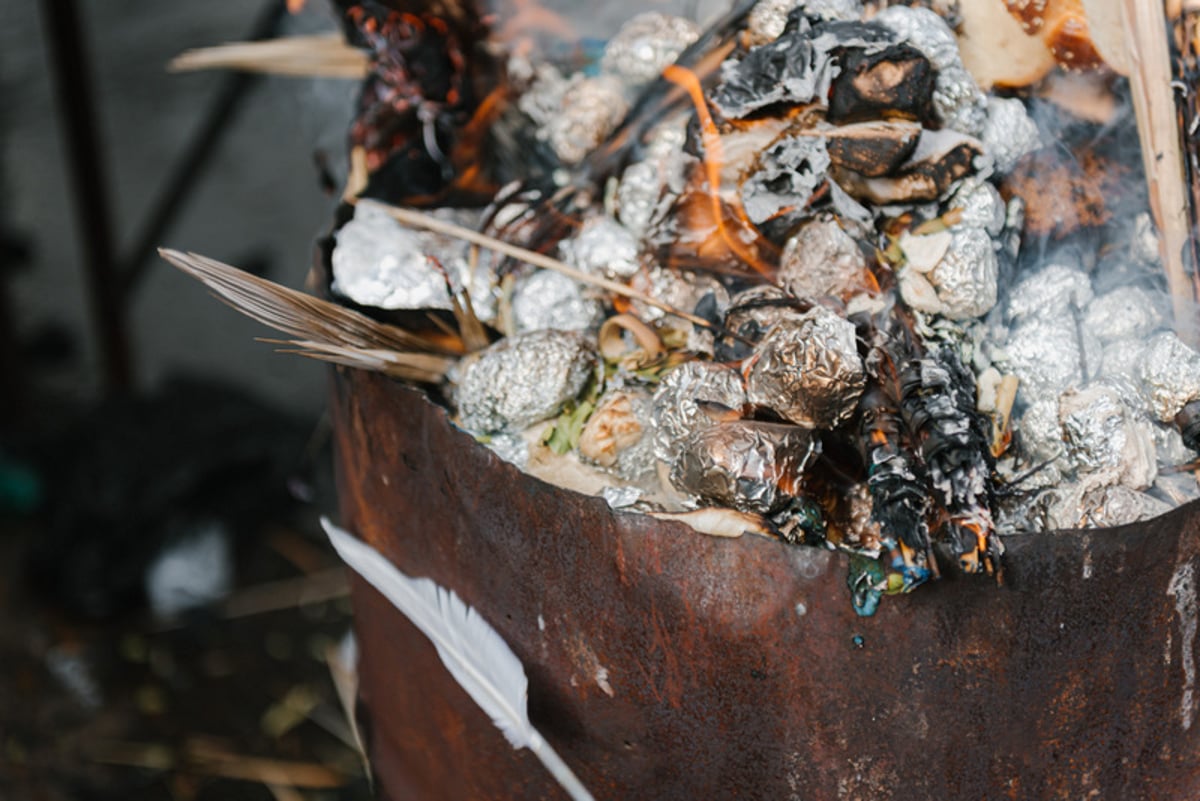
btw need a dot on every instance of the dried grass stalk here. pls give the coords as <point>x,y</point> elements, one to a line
<point>319,56</point>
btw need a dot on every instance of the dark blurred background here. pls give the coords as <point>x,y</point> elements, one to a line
<point>169,613</point>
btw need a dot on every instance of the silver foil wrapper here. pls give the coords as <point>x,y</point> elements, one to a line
<point>681,290</point>
<point>981,204</point>
<point>645,45</point>
<point>1169,445</point>
<point>747,465</point>
<point>543,99</point>
<point>1045,353</point>
<point>957,99</point>
<point>647,185</point>
<point>1042,441</point>
<point>619,436</point>
<point>1104,439</point>
<point>1170,375</point>
<point>745,316</point>
<point>769,17</point>
<point>1009,133</point>
<point>676,411</point>
<point>965,279</point>
<point>1056,290</point>
<point>546,299</point>
<point>602,247</point>
<point>511,447</point>
<point>1129,313</point>
<point>1102,507</point>
<point>591,110</point>
<point>522,380</point>
<point>821,259</point>
<point>808,370</point>
<point>1120,360</point>
<point>621,497</point>
<point>379,262</point>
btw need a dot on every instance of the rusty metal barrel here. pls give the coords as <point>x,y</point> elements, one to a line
<point>664,664</point>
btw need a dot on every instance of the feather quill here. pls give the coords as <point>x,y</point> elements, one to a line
<point>474,652</point>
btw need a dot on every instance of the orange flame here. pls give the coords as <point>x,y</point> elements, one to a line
<point>687,80</point>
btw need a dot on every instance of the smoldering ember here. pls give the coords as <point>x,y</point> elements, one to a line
<point>811,273</point>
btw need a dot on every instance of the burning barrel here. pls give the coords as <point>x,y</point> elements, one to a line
<point>795,419</point>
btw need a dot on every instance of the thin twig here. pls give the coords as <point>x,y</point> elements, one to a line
<point>421,220</point>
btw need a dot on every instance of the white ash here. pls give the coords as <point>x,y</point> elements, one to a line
<point>821,259</point>
<point>1144,245</point>
<point>1125,314</point>
<point>676,411</point>
<point>1170,375</point>
<point>546,299</point>
<point>591,109</point>
<point>788,173</point>
<point>645,45</point>
<point>602,247</point>
<point>1169,445</point>
<point>379,262</point>
<point>1104,439</point>
<point>957,99</point>
<point>1054,291</point>
<point>1177,488</point>
<point>522,380</point>
<point>1010,133</point>
<point>808,370</point>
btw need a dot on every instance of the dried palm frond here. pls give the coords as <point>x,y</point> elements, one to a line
<point>320,56</point>
<point>321,329</point>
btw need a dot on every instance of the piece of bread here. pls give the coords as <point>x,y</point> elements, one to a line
<point>996,50</point>
<point>1082,34</point>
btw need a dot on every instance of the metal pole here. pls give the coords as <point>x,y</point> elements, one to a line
<point>86,162</point>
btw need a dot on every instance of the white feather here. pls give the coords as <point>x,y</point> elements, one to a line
<point>474,652</point>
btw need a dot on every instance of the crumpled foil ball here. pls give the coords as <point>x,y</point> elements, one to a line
<point>619,435</point>
<point>743,464</point>
<point>602,247</point>
<point>546,299</point>
<point>645,45</point>
<point>1054,291</point>
<point>522,380</point>
<point>821,259</point>
<point>1010,133</point>
<point>1125,314</point>
<point>808,370</point>
<point>1170,375</point>
<point>1045,353</point>
<point>676,411</point>
<point>592,108</point>
<point>379,262</point>
<point>1104,439</point>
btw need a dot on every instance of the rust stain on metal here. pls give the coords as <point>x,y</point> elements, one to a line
<point>739,668</point>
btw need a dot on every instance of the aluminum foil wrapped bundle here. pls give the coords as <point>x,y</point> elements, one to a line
<point>522,380</point>
<point>1103,439</point>
<point>753,467</point>
<point>591,110</point>
<point>603,247</point>
<point>379,262</point>
<point>677,412</point>
<point>1129,314</point>
<point>821,259</point>
<point>645,45</point>
<point>1009,134</point>
<point>545,299</point>
<point>1054,291</point>
<point>807,369</point>
<point>1170,376</point>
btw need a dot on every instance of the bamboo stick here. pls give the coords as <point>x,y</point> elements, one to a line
<point>1150,81</point>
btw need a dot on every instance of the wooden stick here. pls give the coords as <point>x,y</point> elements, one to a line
<point>421,220</point>
<point>1150,81</point>
<point>319,56</point>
